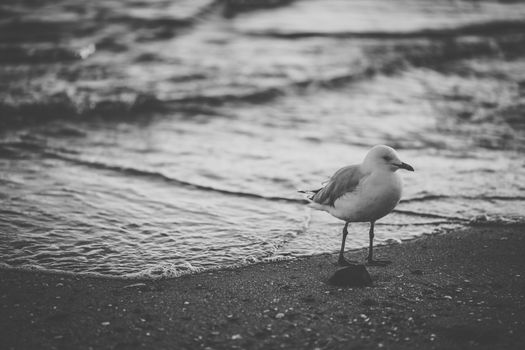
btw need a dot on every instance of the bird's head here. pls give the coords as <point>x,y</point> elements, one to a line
<point>384,157</point>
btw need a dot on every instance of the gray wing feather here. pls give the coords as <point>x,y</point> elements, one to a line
<point>343,181</point>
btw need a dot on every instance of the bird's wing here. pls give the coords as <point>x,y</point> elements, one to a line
<point>343,181</point>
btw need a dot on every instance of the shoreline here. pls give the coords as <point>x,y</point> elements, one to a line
<point>461,289</point>
<point>145,278</point>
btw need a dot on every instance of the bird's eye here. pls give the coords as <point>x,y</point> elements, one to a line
<point>387,158</point>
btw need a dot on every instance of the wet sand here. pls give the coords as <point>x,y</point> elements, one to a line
<point>458,290</point>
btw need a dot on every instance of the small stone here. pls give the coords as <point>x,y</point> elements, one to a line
<point>351,276</point>
<point>236,337</point>
<point>105,323</point>
<point>279,315</point>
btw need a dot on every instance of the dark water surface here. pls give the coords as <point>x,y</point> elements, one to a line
<point>159,138</point>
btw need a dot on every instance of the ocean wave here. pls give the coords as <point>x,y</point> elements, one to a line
<point>65,106</point>
<point>300,201</point>
<point>63,23</point>
<point>429,215</point>
<point>233,7</point>
<point>42,107</point>
<point>9,147</point>
<point>40,269</point>
<point>493,28</point>
<point>43,54</point>
<point>161,271</point>
<point>18,30</point>
<point>432,197</point>
<point>12,150</point>
<point>487,220</point>
<point>157,272</point>
<point>166,270</point>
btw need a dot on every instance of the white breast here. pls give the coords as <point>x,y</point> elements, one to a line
<point>374,198</point>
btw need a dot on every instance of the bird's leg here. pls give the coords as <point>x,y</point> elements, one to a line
<point>370,259</point>
<point>342,261</point>
<point>371,244</point>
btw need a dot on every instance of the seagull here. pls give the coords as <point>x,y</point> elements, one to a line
<point>362,193</point>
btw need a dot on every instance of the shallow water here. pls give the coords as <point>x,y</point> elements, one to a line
<point>162,138</point>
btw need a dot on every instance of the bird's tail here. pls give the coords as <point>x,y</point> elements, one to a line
<point>310,196</point>
<point>310,193</point>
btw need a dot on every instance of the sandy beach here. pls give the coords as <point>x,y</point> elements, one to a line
<point>459,290</point>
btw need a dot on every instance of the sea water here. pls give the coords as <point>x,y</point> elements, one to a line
<point>167,137</point>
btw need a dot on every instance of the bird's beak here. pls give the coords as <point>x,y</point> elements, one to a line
<point>405,166</point>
